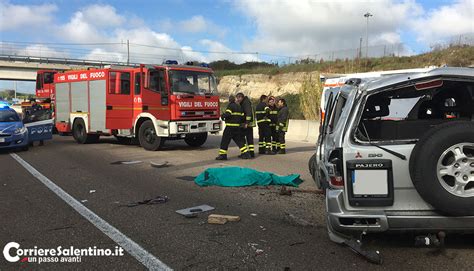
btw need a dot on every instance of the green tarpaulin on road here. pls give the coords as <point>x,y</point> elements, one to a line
<point>238,176</point>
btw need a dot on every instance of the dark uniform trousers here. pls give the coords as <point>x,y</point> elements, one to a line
<point>232,133</point>
<point>281,140</point>
<point>264,136</point>
<point>247,134</point>
<point>273,124</point>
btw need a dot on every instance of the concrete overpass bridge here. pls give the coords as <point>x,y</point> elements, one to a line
<point>24,68</point>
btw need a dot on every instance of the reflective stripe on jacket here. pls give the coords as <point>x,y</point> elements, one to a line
<point>273,116</point>
<point>262,113</point>
<point>233,115</point>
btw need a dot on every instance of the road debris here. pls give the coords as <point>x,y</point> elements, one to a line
<point>253,214</point>
<point>125,162</point>
<point>257,251</point>
<point>186,178</point>
<point>356,246</point>
<point>193,211</point>
<point>297,243</point>
<point>263,228</point>
<point>284,191</point>
<point>156,200</point>
<point>160,165</point>
<point>84,201</point>
<point>91,191</point>
<point>221,219</point>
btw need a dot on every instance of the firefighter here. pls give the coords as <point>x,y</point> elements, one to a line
<point>234,119</point>
<point>247,130</point>
<point>262,114</point>
<point>273,122</point>
<point>282,125</point>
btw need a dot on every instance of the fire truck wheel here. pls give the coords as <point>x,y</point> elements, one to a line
<point>195,140</point>
<point>80,134</point>
<point>147,136</point>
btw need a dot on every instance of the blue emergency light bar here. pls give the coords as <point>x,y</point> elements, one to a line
<point>171,62</point>
<point>4,105</point>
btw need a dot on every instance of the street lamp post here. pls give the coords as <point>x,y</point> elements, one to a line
<point>367,15</point>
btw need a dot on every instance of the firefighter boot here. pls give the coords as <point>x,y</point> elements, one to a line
<point>282,151</point>
<point>221,157</point>
<point>252,154</point>
<point>261,150</point>
<point>245,155</point>
<point>270,152</point>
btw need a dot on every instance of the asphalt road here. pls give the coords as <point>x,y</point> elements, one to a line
<point>275,232</point>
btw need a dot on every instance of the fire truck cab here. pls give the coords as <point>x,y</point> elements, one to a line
<point>148,104</point>
<point>45,84</point>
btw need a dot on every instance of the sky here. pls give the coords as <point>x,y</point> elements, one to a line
<point>236,30</point>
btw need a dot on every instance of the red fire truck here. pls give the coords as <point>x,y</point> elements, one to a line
<point>150,104</point>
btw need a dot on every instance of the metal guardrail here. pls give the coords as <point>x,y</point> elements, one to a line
<point>63,61</point>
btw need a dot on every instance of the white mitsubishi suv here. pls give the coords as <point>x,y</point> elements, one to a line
<point>397,153</point>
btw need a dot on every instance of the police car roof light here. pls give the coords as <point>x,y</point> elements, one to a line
<point>4,105</point>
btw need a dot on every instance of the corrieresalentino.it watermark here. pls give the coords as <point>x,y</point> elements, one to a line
<point>12,252</point>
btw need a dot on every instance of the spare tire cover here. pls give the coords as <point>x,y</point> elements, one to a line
<point>442,168</point>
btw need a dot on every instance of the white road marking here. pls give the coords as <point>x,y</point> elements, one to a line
<point>134,249</point>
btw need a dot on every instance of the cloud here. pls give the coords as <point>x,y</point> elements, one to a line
<point>102,15</point>
<point>309,27</point>
<point>445,22</point>
<point>80,29</point>
<point>23,16</point>
<point>146,45</point>
<point>194,25</point>
<point>221,52</point>
<point>198,24</point>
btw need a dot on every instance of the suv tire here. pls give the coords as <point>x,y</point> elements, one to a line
<point>442,167</point>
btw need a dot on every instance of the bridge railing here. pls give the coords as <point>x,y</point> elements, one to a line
<point>63,61</point>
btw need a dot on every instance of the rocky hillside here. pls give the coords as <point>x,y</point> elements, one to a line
<point>254,85</point>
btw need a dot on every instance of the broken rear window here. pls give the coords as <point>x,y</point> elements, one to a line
<point>406,113</point>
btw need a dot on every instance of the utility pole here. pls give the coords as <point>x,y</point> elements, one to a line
<point>15,89</point>
<point>367,15</point>
<point>128,52</point>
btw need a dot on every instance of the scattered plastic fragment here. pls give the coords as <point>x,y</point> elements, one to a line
<point>188,212</point>
<point>160,165</point>
<point>156,200</point>
<point>125,162</point>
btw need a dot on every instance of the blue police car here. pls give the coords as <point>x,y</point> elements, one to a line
<point>13,133</point>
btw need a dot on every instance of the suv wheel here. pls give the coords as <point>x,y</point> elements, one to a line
<point>442,168</point>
